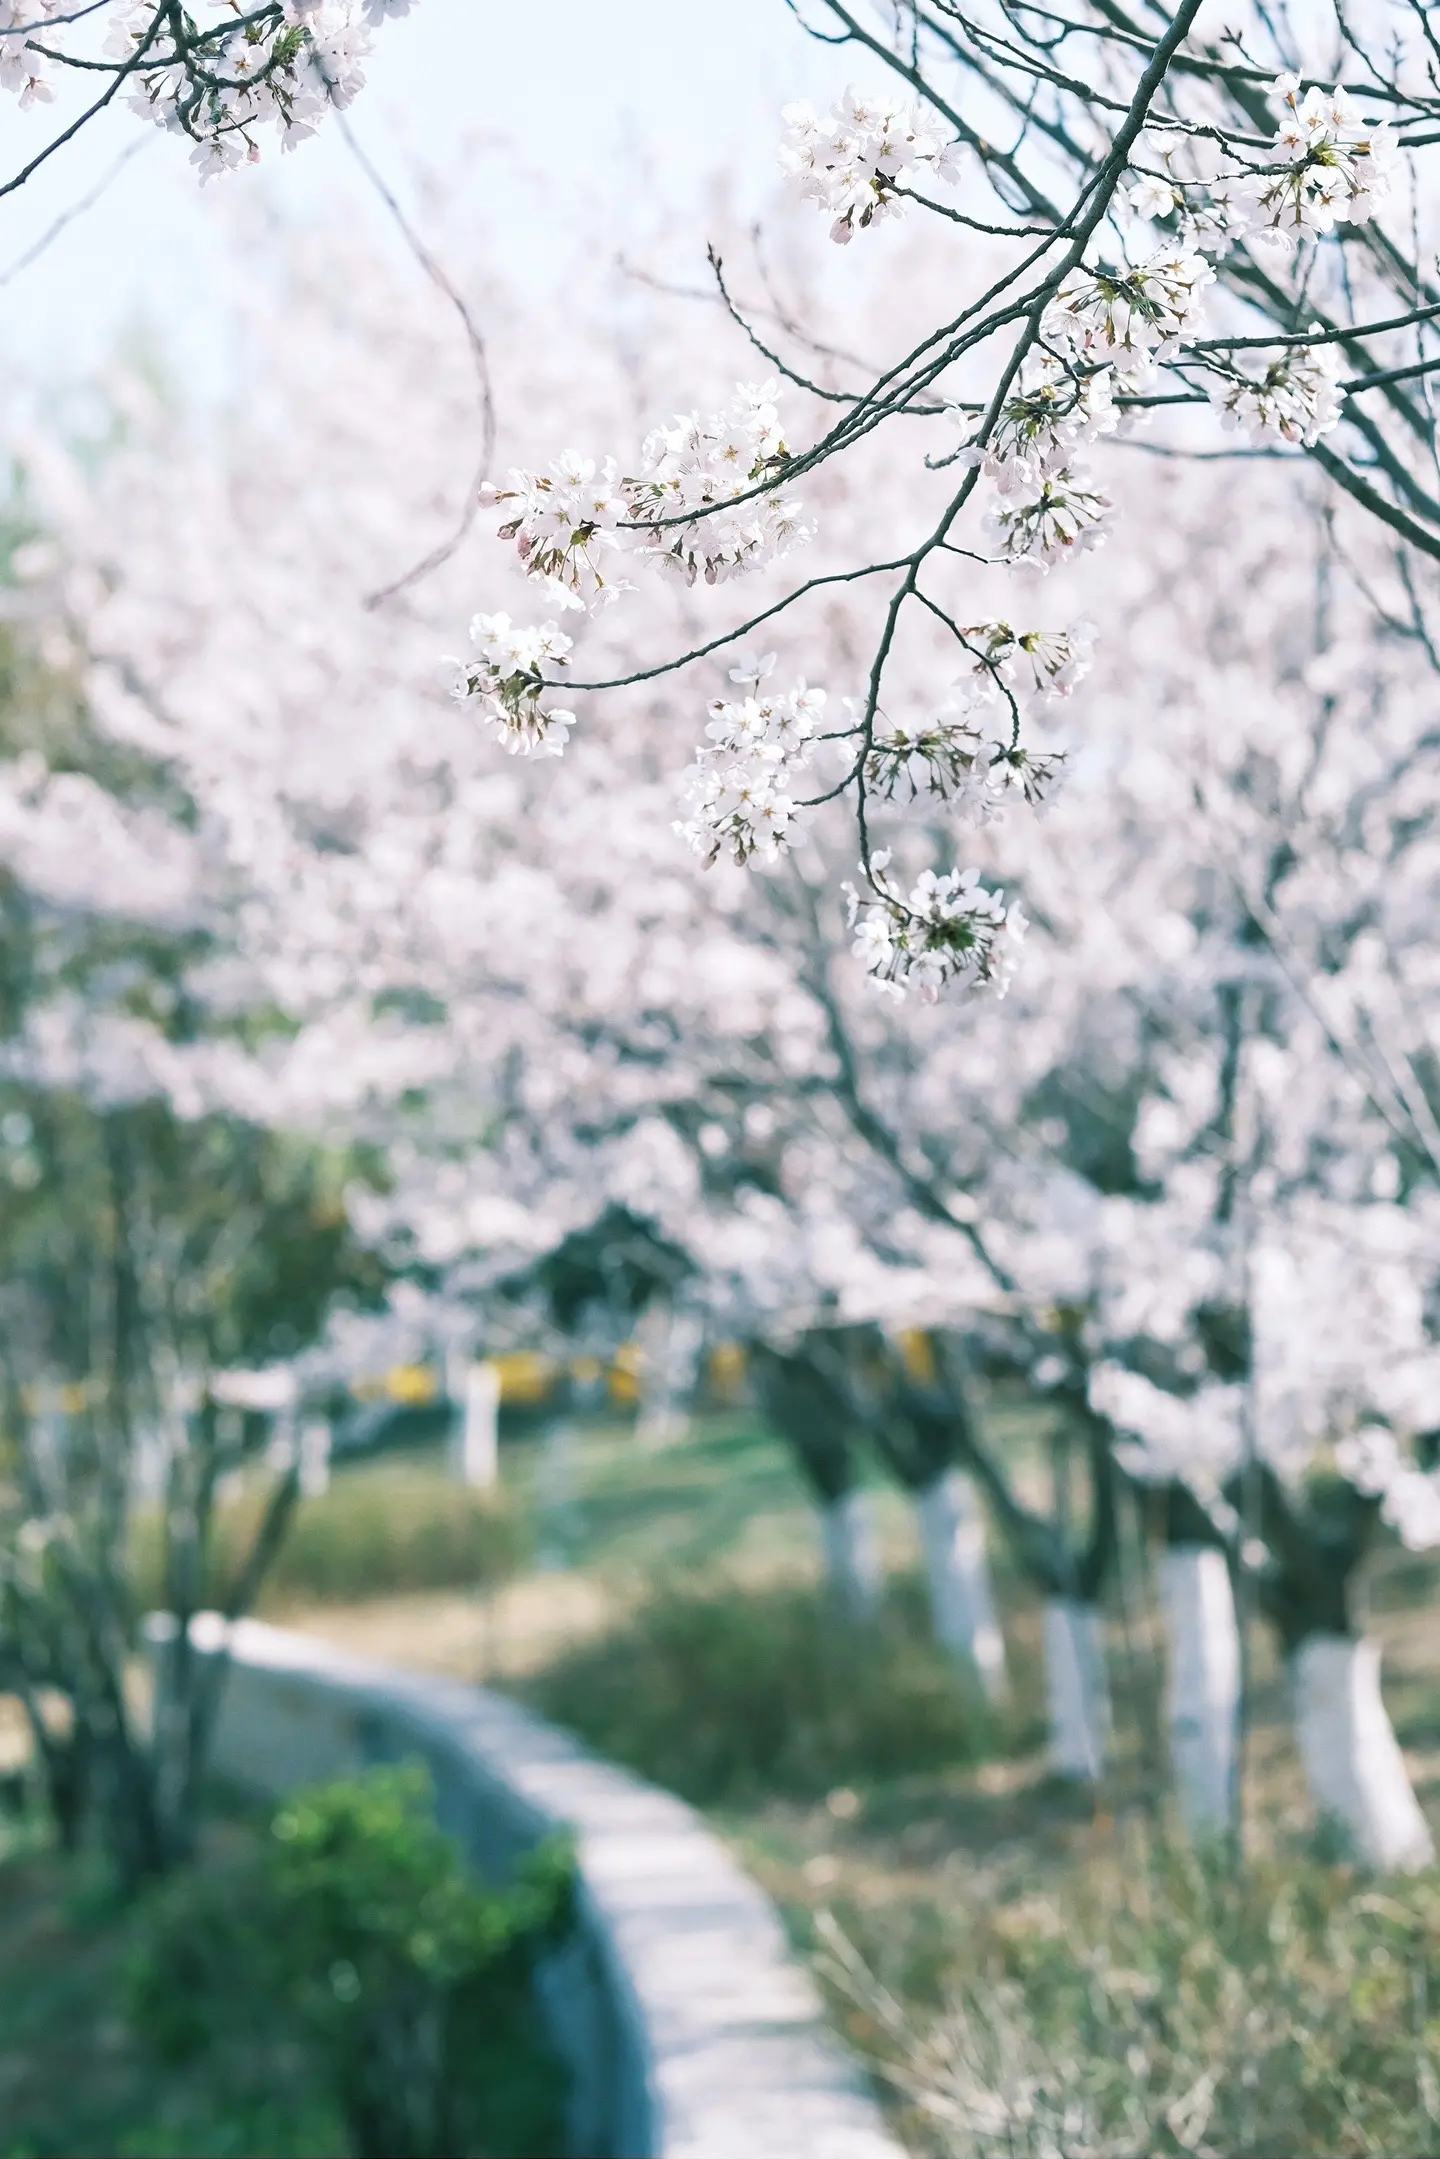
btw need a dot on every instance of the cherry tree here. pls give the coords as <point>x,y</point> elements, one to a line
<point>1166,1165</point>
<point>164,1216</point>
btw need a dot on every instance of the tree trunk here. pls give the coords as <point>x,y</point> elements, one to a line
<point>671,1343</point>
<point>474,1447</point>
<point>1352,1758</point>
<point>1077,1689</point>
<point>957,1567</point>
<point>315,1443</point>
<point>852,1559</point>
<point>1202,1695</point>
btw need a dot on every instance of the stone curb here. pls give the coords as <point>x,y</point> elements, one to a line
<point>690,2029</point>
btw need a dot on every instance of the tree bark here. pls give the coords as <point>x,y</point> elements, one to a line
<point>1356,1772</point>
<point>1077,1689</point>
<point>1352,1758</point>
<point>475,1443</point>
<point>1202,1694</point>
<point>852,1557</point>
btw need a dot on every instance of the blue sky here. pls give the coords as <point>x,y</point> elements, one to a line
<point>590,92</point>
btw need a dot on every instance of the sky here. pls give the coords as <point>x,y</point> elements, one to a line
<point>540,104</point>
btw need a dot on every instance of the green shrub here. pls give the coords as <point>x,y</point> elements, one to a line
<point>410,1987</point>
<point>727,1694</point>
<point>379,1531</point>
<point>1154,2003</point>
<point>78,2083</point>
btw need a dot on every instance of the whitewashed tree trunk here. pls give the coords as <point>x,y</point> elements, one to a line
<point>1202,1695</point>
<point>957,1567</point>
<point>1352,1758</point>
<point>852,1557</point>
<point>671,1342</point>
<point>315,1441</point>
<point>475,1454</point>
<point>1077,1689</point>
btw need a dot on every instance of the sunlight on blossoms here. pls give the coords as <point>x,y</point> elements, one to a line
<point>720,1080</point>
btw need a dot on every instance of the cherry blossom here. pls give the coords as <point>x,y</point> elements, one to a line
<point>741,785</point>
<point>854,159</point>
<point>1296,400</point>
<point>508,683</point>
<point>948,928</point>
<point>1336,165</point>
<point>280,65</point>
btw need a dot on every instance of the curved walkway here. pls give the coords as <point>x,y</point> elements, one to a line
<point>690,2029</point>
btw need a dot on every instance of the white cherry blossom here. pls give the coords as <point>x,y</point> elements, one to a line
<point>852,159</point>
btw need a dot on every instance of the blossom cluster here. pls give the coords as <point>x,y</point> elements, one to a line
<point>1046,418</point>
<point>740,787</point>
<point>280,64</point>
<point>853,159</point>
<point>1043,665</point>
<point>571,524</point>
<point>1296,400</point>
<point>1046,504</point>
<point>1048,521</point>
<point>690,469</point>
<point>1102,329</point>
<point>284,73</point>
<point>1195,1438</point>
<point>1129,319</point>
<point>948,757</point>
<point>950,761</point>
<point>1336,167</point>
<point>1333,167</point>
<point>507,682</point>
<point>947,930</point>
<point>23,69</point>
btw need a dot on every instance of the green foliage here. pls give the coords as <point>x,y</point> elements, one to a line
<point>728,1693</point>
<point>410,1986</point>
<point>77,2082</point>
<point>1155,2002</point>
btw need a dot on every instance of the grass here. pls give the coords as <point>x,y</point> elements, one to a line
<point>1152,2001</point>
<point>606,1526</point>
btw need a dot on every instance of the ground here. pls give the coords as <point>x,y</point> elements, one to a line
<point>665,1602</point>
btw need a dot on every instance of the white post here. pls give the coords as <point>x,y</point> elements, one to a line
<point>477,1455</point>
<point>1202,1695</point>
<point>1352,1758</point>
<point>957,1567</point>
<point>315,1440</point>
<point>852,1559</point>
<point>1077,1689</point>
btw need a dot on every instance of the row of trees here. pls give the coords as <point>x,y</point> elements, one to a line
<point>1182,1178</point>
